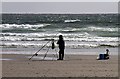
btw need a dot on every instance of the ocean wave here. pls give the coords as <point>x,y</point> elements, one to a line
<point>72,21</point>
<point>31,35</point>
<point>45,36</point>
<point>108,45</point>
<point>88,29</point>
<point>22,26</point>
<point>75,46</point>
<point>66,39</point>
<point>93,28</point>
<point>19,44</point>
<point>69,30</point>
<point>91,45</point>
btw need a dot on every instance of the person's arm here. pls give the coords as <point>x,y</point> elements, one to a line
<point>64,44</point>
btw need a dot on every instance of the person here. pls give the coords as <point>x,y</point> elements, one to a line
<point>106,56</point>
<point>61,44</point>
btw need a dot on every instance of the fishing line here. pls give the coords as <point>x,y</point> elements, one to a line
<point>36,53</point>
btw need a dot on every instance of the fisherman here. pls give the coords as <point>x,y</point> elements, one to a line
<point>61,44</point>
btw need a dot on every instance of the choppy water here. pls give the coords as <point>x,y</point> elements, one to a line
<point>79,30</point>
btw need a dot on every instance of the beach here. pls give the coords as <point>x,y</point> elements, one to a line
<point>19,65</point>
<point>85,35</point>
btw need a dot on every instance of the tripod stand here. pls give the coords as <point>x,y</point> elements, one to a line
<point>48,51</point>
<point>36,54</point>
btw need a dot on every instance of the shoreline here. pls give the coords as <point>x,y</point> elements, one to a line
<point>77,51</point>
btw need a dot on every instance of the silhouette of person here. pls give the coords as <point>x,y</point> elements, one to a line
<point>104,56</point>
<point>107,54</point>
<point>61,44</point>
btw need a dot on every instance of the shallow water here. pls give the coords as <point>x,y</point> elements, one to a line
<point>80,51</point>
<point>6,59</point>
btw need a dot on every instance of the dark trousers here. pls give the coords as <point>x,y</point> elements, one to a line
<point>61,54</point>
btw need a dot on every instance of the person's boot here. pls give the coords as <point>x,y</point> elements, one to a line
<point>58,59</point>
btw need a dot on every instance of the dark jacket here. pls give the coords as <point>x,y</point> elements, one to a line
<point>61,44</point>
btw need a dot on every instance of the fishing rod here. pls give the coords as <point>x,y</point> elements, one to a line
<point>46,53</point>
<point>53,46</point>
<point>42,47</point>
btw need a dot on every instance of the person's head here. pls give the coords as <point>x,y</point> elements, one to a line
<point>60,37</point>
<point>107,51</point>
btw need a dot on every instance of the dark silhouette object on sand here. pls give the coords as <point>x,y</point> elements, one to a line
<point>53,45</point>
<point>104,56</point>
<point>107,54</point>
<point>61,44</point>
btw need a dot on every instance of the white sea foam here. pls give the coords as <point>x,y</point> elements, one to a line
<point>68,44</point>
<point>69,21</point>
<point>22,26</point>
<point>92,28</point>
<point>86,34</point>
<point>44,36</point>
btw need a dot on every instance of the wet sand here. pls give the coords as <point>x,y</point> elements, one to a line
<point>16,65</point>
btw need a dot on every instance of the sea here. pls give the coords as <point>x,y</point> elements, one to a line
<point>80,31</point>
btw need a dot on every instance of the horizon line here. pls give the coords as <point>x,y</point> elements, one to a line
<point>61,1</point>
<point>62,13</point>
